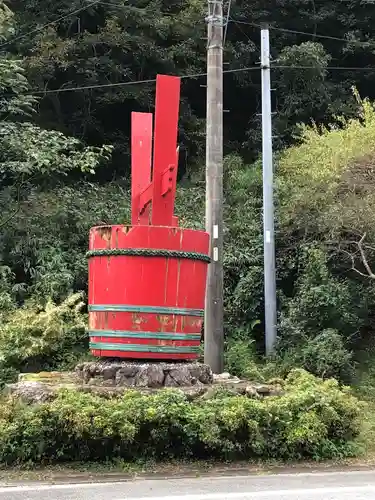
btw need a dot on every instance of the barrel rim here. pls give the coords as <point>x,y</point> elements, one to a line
<point>145,335</point>
<point>177,311</point>
<point>148,252</point>
<point>104,346</point>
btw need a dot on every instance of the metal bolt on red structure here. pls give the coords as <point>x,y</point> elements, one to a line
<point>147,280</point>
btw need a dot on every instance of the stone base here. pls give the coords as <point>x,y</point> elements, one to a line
<point>149,374</point>
<point>111,379</point>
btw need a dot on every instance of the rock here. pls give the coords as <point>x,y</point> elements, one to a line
<point>145,374</point>
<point>93,370</point>
<point>155,376</point>
<point>109,373</point>
<point>234,380</point>
<point>114,378</point>
<point>221,377</point>
<point>48,377</point>
<point>125,375</point>
<point>195,391</point>
<point>181,376</point>
<point>264,390</point>
<point>209,393</point>
<point>31,392</point>
<point>251,392</point>
<point>201,372</point>
<point>170,381</point>
<point>142,377</point>
<point>276,390</point>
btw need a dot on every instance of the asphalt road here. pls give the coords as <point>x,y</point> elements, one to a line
<point>304,486</point>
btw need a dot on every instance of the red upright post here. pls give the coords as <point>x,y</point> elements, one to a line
<point>141,152</point>
<point>165,141</point>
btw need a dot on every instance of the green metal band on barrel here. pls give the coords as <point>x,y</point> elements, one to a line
<point>178,311</point>
<point>147,252</point>
<point>144,335</point>
<point>103,346</point>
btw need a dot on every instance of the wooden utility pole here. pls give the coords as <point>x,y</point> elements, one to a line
<point>213,320</point>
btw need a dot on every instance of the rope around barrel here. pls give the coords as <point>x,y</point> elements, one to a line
<point>148,252</point>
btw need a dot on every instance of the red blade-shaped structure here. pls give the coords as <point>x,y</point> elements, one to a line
<point>141,157</point>
<point>165,145</point>
<point>160,192</point>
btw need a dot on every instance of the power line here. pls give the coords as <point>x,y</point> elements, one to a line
<point>239,27</point>
<point>193,75</point>
<point>296,32</point>
<point>135,82</point>
<point>118,6</point>
<point>96,86</point>
<point>41,28</point>
<point>330,68</point>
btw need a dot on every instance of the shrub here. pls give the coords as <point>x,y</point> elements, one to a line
<point>324,355</point>
<point>240,360</point>
<point>320,301</point>
<point>313,419</point>
<point>35,337</point>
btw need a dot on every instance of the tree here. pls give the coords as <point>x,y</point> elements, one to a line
<point>32,158</point>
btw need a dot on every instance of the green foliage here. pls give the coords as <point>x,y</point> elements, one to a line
<point>320,301</point>
<point>240,360</point>
<point>29,150</point>
<point>132,41</point>
<point>324,355</point>
<point>305,90</point>
<point>17,102</point>
<point>313,419</point>
<point>318,322</point>
<point>123,42</point>
<point>47,240</point>
<point>37,338</point>
<point>33,161</point>
<point>327,181</point>
<point>243,264</point>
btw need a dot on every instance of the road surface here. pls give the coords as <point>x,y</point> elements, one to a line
<point>303,486</point>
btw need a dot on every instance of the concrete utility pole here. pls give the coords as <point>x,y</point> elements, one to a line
<point>213,320</point>
<point>268,208</point>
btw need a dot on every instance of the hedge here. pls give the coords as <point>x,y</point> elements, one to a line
<point>313,419</point>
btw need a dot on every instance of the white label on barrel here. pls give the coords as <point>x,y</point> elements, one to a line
<point>216,254</point>
<point>216,231</point>
<point>268,236</point>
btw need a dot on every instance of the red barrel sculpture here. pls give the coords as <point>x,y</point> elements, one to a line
<point>147,281</point>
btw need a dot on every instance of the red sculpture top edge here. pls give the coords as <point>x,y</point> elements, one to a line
<point>156,191</point>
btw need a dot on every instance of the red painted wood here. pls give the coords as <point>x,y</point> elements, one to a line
<point>141,152</point>
<point>144,201</point>
<point>143,280</point>
<point>174,184</point>
<point>165,143</point>
<point>147,281</point>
